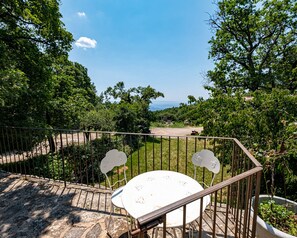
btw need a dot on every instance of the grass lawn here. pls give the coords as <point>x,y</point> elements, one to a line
<point>171,154</point>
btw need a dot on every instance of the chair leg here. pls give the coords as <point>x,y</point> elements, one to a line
<point>155,229</point>
<point>174,232</point>
<point>111,211</point>
<point>191,231</point>
<point>130,226</point>
<point>193,227</point>
<point>109,221</point>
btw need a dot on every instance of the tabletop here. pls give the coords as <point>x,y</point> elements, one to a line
<point>152,190</point>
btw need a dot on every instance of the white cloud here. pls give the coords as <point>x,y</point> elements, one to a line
<point>85,42</point>
<point>81,14</point>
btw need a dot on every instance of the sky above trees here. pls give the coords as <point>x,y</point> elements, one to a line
<point>163,44</point>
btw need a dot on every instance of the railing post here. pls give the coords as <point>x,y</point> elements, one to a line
<point>63,162</point>
<point>184,221</point>
<point>164,226</point>
<point>256,202</point>
<point>227,211</point>
<point>247,208</point>
<point>214,215</point>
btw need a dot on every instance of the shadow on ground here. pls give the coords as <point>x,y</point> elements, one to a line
<point>30,209</point>
<point>27,210</point>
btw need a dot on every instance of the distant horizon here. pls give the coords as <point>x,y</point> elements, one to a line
<point>161,105</point>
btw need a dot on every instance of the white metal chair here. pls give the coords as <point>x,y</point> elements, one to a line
<point>112,159</point>
<point>205,158</point>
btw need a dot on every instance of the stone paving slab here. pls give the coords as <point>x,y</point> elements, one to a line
<point>36,208</point>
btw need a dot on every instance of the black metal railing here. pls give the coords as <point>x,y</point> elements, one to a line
<point>74,157</point>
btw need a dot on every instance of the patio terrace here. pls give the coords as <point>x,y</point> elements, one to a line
<point>61,193</point>
<point>35,207</point>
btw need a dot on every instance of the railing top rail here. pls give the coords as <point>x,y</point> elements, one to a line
<point>119,133</point>
<point>251,157</point>
<point>173,206</point>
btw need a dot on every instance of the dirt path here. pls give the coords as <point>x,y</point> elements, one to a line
<point>175,131</point>
<point>78,138</point>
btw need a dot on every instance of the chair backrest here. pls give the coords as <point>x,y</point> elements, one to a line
<point>205,158</point>
<point>113,158</point>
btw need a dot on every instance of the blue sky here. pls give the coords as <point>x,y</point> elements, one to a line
<point>161,43</point>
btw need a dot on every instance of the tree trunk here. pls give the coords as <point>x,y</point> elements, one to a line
<point>50,138</point>
<point>51,143</point>
<point>87,135</point>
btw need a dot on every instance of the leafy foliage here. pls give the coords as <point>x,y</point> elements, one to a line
<point>85,159</point>
<point>255,45</point>
<point>36,23</point>
<point>13,84</point>
<point>31,36</point>
<point>74,163</point>
<point>266,124</point>
<point>72,96</point>
<point>279,217</point>
<point>131,107</point>
<point>39,86</point>
<point>99,119</point>
<point>253,85</point>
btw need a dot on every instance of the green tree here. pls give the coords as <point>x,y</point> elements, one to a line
<point>226,115</point>
<point>13,84</point>
<point>99,119</point>
<point>255,54</point>
<point>191,99</point>
<point>73,95</point>
<point>266,124</point>
<point>254,46</point>
<point>31,37</point>
<point>37,22</point>
<point>131,107</point>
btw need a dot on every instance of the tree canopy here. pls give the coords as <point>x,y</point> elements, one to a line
<point>254,46</point>
<point>131,106</point>
<point>35,23</point>
<point>254,84</point>
<point>72,95</point>
<point>39,86</point>
<point>266,123</point>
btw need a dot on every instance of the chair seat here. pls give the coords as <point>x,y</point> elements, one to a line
<point>116,197</point>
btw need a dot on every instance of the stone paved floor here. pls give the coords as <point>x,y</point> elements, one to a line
<point>37,208</point>
<point>32,207</point>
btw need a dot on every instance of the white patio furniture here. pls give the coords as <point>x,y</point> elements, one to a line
<point>152,190</point>
<point>112,159</point>
<point>205,158</point>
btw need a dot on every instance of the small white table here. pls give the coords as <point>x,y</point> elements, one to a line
<point>152,190</point>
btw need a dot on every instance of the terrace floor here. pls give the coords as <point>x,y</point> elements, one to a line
<point>33,207</point>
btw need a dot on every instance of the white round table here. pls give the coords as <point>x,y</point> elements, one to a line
<point>152,190</point>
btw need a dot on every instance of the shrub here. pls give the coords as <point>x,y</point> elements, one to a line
<point>279,217</point>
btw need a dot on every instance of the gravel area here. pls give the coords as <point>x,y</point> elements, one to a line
<point>175,131</point>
